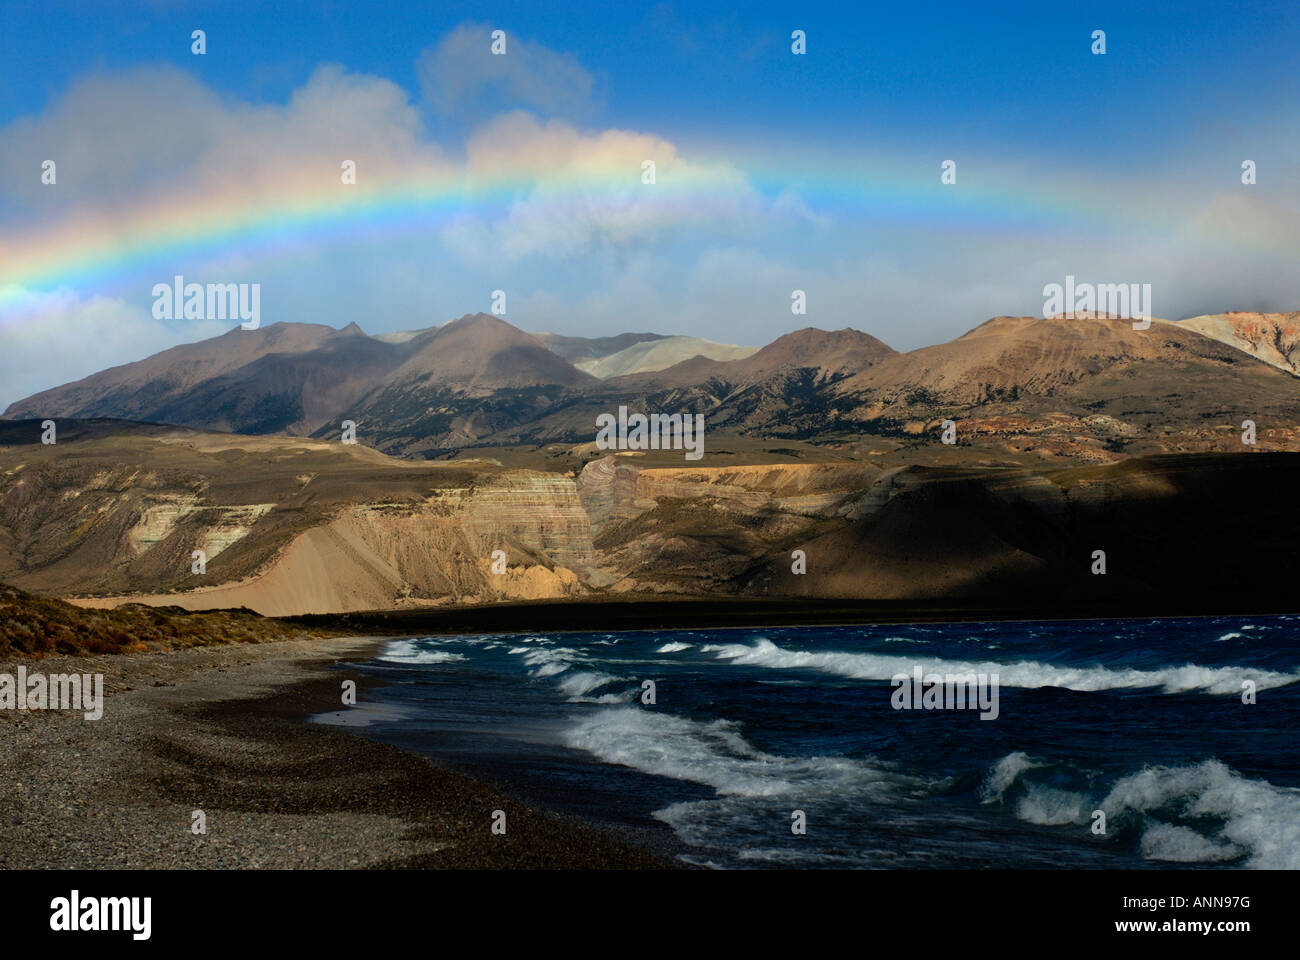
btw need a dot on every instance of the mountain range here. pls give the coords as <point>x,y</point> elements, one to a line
<point>1088,388</point>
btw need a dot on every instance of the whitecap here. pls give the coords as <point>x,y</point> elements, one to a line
<point>1015,673</point>
<point>410,651</point>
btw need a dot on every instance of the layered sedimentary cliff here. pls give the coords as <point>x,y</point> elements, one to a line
<point>614,488</point>
<point>282,526</point>
<point>441,550</point>
<point>293,526</point>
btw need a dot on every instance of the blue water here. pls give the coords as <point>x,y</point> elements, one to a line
<point>1141,719</point>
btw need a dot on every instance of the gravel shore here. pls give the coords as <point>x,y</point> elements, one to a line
<point>221,729</point>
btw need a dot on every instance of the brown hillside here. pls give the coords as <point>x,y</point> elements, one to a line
<point>484,352</point>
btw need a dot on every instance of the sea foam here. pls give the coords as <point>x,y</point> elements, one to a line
<point>1248,818</point>
<point>1188,678</point>
<point>410,651</point>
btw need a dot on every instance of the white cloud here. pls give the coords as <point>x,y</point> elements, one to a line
<point>581,191</point>
<point>150,137</point>
<point>47,339</point>
<point>461,75</point>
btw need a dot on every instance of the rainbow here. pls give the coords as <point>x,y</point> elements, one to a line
<point>94,253</point>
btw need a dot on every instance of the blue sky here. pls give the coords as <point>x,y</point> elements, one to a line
<point>823,169</point>
<point>1011,70</point>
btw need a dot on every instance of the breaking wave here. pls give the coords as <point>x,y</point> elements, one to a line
<point>409,651</point>
<point>1198,813</point>
<point>715,754</point>
<point>1027,673</point>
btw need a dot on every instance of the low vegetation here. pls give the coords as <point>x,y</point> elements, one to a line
<point>37,626</point>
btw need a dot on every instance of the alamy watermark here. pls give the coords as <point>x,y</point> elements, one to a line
<point>75,913</point>
<point>1128,301</point>
<point>57,691</point>
<point>658,431</point>
<point>179,300</point>
<point>948,691</point>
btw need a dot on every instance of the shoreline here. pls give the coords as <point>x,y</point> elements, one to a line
<point>745,613</point>
<point>225,729</point>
